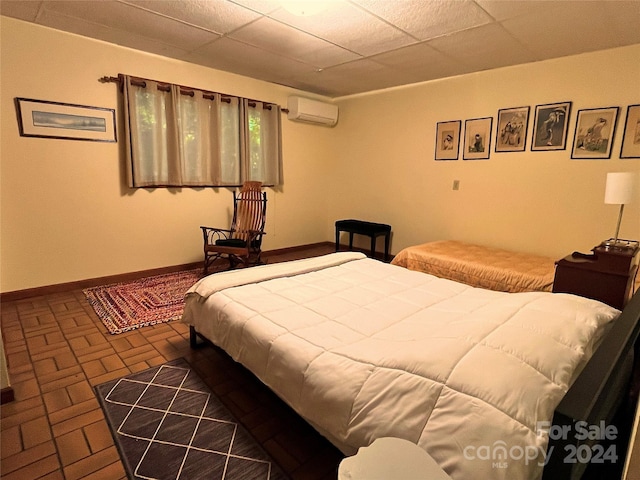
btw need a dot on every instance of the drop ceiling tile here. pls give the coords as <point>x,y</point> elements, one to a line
<point>569,31</point>
<point>217,16</point>
<point>289,42</point>
<point>349,27</point>
<point>237,57</point>
<point>425,20</point>
<point>422,60</point>
<point>107,34</point>
<point>624,22</point>
<point>260,6</point>
<point>358,76</point>
<point>20,9</point>
<point>120,16</point>
<point>505,9</point>
<point>304,51</point>
<point>483,48</point>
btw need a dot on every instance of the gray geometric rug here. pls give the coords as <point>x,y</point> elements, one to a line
<point>168,425</point>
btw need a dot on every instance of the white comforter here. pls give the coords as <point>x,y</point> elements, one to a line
<point>363,349</point>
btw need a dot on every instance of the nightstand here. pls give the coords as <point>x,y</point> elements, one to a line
<point>607,274</point>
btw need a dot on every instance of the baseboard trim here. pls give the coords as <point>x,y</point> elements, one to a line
<point>127,277</point>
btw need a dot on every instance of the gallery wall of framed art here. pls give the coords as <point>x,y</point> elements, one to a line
<point>593,132</point>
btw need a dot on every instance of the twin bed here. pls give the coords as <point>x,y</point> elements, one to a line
<point>362,349</point>
<point>480,266</point>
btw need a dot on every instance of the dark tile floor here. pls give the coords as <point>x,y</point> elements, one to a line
<point>57,350</point>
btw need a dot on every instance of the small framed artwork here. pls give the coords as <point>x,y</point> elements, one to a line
<point>595,129</point>
<point>550,126</point>
<point>511,130</point>
<point>448,140</point>
<point>631,134</point>
<point>40,118</point>
<point>477,138</point>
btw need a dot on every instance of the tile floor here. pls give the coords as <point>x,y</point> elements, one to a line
<point>57,350</point>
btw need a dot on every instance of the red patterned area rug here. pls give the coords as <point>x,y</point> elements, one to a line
<point>129,305</point>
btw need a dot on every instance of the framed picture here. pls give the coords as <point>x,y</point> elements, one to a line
<point>39,118</point>
<point>511,130</point>
<point>477,138</point>
<point>595,129</point>
<point>550,126</point>
<point>448,140</point>
<point>631,134</point>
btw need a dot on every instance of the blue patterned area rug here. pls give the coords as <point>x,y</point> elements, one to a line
<point>168,425</point>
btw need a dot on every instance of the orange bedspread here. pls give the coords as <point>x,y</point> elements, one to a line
<point>479,266</point>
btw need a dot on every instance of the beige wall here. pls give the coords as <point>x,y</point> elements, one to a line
<point>539,202</point>
<point>65,213</point>
<point>66,216</point>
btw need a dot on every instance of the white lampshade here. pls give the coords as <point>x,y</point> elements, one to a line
<point>619,189</point>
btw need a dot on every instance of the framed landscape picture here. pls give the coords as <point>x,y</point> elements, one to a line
<point>550,126</point>
<point>631,134</point>
<point>448,140</point>
<point>477,138</point>
<point>595,130</point>
<point>40,118</point>
<point>511,129</point>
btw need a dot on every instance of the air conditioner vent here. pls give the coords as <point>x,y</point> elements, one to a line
<point>312,111</point>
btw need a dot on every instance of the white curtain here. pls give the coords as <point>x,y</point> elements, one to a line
<point>198,139</point>
<point>262,157</point>
<point>150,136</point>
<point>208,133</point>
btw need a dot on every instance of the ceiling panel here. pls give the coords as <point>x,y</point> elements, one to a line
<point>358,76</point>
<point>482,48</point>
<point>127,18</point>
<point>218,16</point>
<point>237,57</point>
<point>423,60</point>
<point>352,46</point>
<point>567,31</point>
<point>350,27</point>
<point>288,41</point>
<point>425,20</point>
<point>108,34</point>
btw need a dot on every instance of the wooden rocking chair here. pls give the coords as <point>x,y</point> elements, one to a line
<point>241,243</point>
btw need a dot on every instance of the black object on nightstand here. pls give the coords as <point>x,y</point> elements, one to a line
<point>607,274</point>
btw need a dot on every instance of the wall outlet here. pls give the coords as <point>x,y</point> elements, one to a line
<point>456,184</point>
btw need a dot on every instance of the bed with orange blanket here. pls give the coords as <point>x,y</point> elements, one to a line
<point>479,266</point>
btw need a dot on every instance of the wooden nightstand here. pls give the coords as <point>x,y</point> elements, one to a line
<point>608,274</point>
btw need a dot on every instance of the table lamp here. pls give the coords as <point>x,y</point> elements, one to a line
<point>619,191</point>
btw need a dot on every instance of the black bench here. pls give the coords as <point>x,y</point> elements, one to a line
<point>370,229</point>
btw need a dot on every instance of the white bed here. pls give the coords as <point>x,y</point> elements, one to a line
<point>363,349</point>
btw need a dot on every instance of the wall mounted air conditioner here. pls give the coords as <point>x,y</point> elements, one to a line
<point>312,111</point>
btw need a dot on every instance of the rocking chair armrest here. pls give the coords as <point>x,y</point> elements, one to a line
<point>211,234</point>
<point>213,229</point>
<point>254,235</point>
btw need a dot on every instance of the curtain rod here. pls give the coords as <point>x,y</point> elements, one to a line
<point>166,87</point>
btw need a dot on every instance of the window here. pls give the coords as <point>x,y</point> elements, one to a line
<point>183,137</point>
